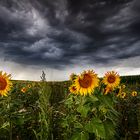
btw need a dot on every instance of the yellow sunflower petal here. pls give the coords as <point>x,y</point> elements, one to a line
<point>5,84</point>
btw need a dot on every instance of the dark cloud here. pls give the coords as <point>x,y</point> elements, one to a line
<point>63,32</point>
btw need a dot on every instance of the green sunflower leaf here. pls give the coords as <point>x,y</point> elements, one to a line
<point>80,136</point>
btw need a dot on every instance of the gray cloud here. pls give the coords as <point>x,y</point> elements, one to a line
<point>66,32</point>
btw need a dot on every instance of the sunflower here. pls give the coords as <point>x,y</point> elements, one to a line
<point>122,95</point>
<point>123,86</point>
<point>73,89</point>
<point>134,93</point>
<point>72,77</point>
<point>86,82</point>
<point>23,90</point>
<point>29,86</point>
<point>111,79</point>
<point>5,83</point>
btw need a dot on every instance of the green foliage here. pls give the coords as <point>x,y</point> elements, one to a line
<point>19,111</point>
<point>96,126</point>
<point>89,117</point>
<point>45,114</point>
<point>33,114</point>
<point>40,113</point>
<point>128,123</point>
<point>80,136</point>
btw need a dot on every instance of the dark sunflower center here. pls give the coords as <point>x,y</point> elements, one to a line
<point>3,83</point>
<point>23,90</point>
<point>134,93</point>
<point>111,79</point>
<point>123,94</point>
<point>86,81</point>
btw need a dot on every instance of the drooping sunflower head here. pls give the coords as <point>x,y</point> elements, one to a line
<point>5,83</point>
<point>86,82</point>
<point>72,77</point>
<point>123,86</point>
<point>73,89</point>
<point>134,93</point>
<point>111,79</point>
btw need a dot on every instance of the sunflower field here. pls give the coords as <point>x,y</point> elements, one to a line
<point>84,108</point>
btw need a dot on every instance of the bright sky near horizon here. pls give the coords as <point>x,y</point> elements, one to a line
<point>65,36</point>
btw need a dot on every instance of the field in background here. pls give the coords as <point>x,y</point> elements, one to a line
<point>60,89</point>
<point>23,114</point>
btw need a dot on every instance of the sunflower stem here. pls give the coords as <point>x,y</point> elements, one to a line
<point>81,100</point>
<point>10,129</point>
<point>10,122</point>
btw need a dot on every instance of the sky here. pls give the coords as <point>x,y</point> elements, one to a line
<point>65,36</point>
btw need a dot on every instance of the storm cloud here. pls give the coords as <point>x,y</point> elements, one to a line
<point>69,32</point>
